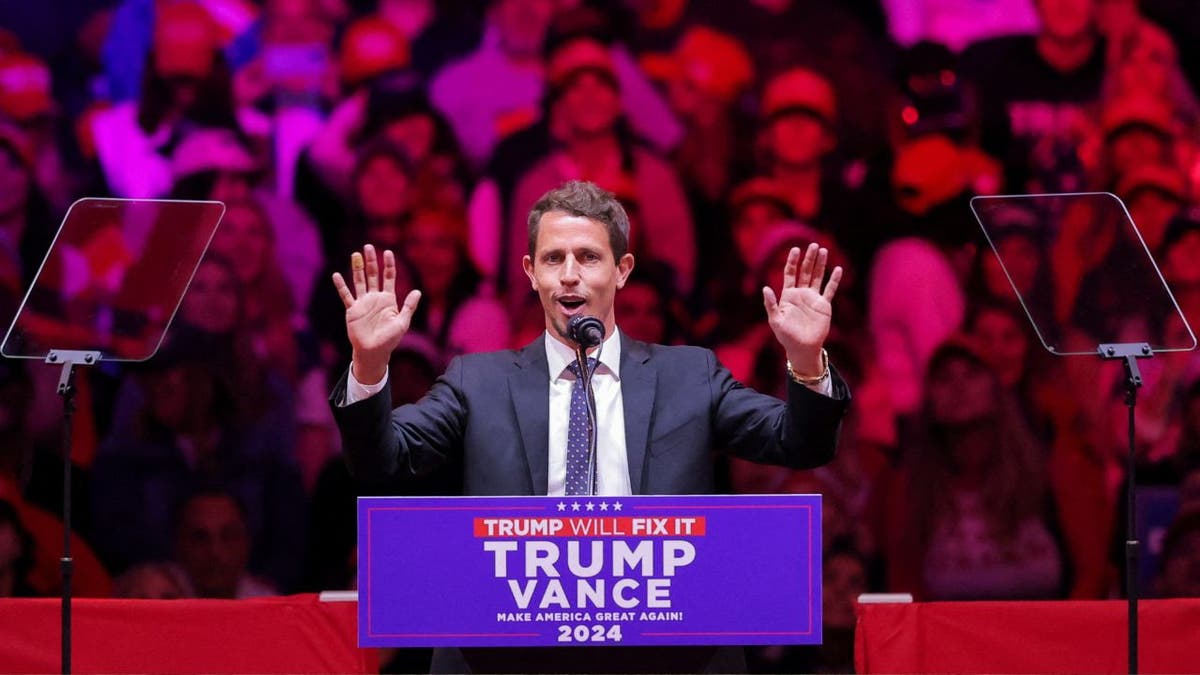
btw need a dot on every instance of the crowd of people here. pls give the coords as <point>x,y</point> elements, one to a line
<point>973,464</point>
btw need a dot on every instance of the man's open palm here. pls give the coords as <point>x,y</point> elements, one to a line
<point>803,312</point>
<point>375,322</point>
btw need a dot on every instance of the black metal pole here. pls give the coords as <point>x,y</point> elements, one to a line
<point>1129,353</point>
<point>1132,381</point>
<point>66,389</point>
<point>67,360</point>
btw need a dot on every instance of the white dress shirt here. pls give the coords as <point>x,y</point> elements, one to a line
<point>612,468</point>
<point>612,464</point>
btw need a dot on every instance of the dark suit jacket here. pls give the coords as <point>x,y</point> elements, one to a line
<point>680,404</point>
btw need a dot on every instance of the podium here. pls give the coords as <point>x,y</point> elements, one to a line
<point>589,572</point>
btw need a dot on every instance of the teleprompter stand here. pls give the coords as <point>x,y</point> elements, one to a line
<point>1089,286</point>
<point>68,359</point>
<point>107,290</point>
<point>1129,355</point>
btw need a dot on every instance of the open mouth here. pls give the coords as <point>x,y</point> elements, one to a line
<point>571,303</point>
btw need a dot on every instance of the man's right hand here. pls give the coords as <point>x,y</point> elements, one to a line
<point>375,323</point>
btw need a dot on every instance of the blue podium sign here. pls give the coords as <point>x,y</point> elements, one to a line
<point>559,571</point>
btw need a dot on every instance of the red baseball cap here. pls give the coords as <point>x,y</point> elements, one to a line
<point>714,62</point>
<point>371,46</point>
<point>802,90</point>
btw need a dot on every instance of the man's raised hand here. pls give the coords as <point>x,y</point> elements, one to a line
<point>801,316</point>
<point>375,323</point>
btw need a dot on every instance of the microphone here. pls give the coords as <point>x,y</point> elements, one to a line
<point>587,331</point>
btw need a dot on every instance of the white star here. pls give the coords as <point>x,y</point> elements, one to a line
<point>616,506</point>
<point>591,506</point>
<point>603,506</point>
<point>562,506</point>
<point>575,506</point>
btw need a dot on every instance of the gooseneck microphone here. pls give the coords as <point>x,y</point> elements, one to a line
<point>587,331</point>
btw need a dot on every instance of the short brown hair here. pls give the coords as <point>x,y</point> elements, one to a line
<point>586,199</point>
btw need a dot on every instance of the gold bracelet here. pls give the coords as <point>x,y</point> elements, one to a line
<point>811,381</point>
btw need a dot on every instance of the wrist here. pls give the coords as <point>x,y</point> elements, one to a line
<point>807,363</point>
<point>368,372</point>
<point>814,378</point>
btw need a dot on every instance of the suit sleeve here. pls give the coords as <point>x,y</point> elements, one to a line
<point>412,440</point>
<point>800,433</point>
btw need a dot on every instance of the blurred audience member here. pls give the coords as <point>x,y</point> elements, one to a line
<point>1136,130</point>
<point>706,76</point>
<point>27,101</point>
<point>970,514</point>
<point>1180,248</point>
<point>216,164</point>
<point>649,307</point>
<point>25,226</point>
<point>1154,194</point>
<point>192,422</point>
<point>454,311</point>
<point>281,92</point>
<point>1076,469</point>
<point>267,302</point>
<point>384,195</point>
<point>1144,61</point>
<point>187,86</point>
<point>596,145</point>
<point>212,549</point>
<point>825,35</point>
<point>916,297</point>
<point>797,135</point>
<point>1014,268</point>
<point>371,50</point>
<point>497,88</point>
<point>1033,93</point>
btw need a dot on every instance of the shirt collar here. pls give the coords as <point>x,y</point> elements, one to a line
<point>559,356</point>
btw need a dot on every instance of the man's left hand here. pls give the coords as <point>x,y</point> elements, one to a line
<point>800,317</point>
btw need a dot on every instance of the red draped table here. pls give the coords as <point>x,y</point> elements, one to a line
<point>294,634</point>
<point>1025,637</point>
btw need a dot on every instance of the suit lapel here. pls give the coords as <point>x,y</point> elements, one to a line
<point>638,384</point>
<point>529,387</point>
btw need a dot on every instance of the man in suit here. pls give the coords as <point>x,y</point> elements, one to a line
<point>511,418</point>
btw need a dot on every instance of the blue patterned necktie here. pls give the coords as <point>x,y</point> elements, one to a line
<point>578,440</point>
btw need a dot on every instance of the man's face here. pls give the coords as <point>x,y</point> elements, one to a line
<point>244,236</point>
<point>590,106</point>
<point>214,546</point>
<point>383,188</point>
<point>574,272</point>
<point>799,139</point>
<point>211,303</point>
